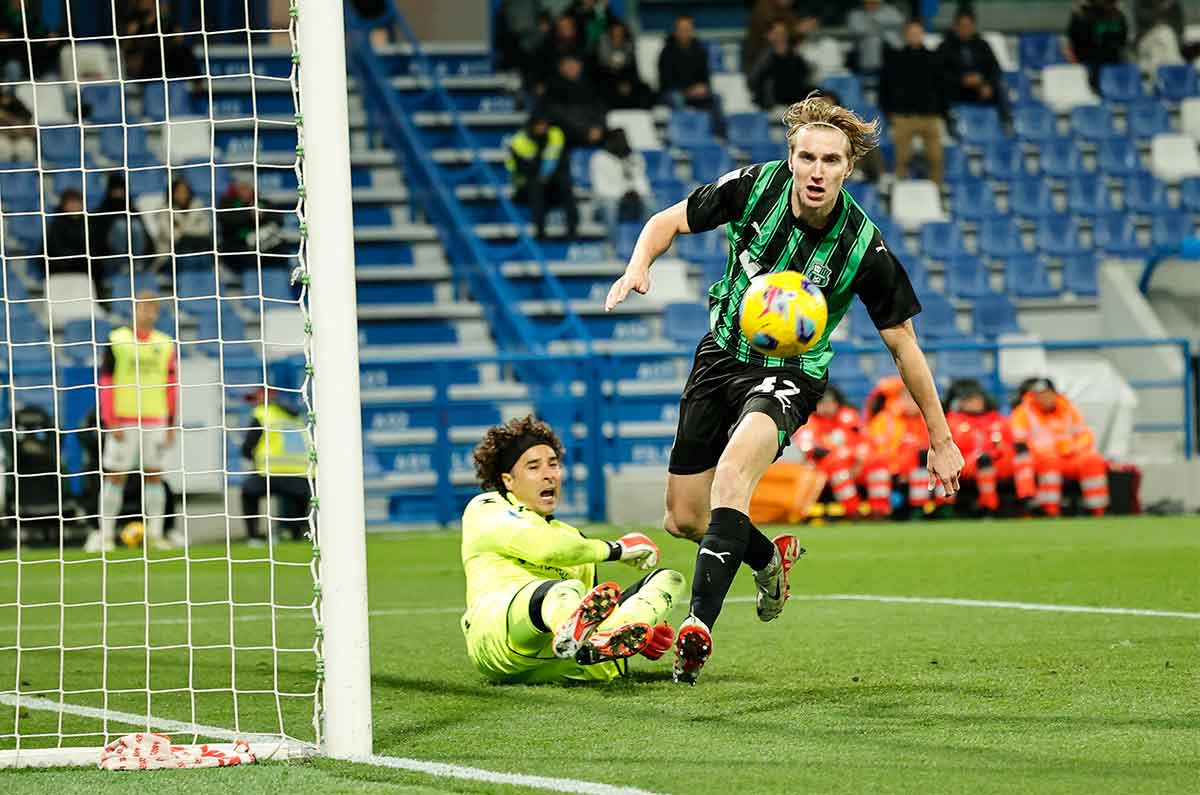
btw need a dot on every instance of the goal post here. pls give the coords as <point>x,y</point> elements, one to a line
<point>194,633</point>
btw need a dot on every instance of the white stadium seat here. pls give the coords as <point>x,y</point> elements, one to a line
<point>638,126</point>
<point>51,107</point>
<point>70,296</point>
<point>735,96</point>
<point>1189,117</point>
<point>1174,157</point>
<point>999,44</point>
<point>188,141</point>
<point>647,49</point>
<point>1065,86</point>
<point>916,202</point>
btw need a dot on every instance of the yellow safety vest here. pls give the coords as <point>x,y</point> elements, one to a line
<point>522,146</point>
<point>140,372</point>
<point>283,447</point>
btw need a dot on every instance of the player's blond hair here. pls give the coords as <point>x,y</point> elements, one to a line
<point>818,111</point>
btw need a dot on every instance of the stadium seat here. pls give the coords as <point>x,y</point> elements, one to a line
<point>1000,238</point>
<point>764,153</point>
<point>1004,160</point>
<point>127,146</point>
<point>1065,86</point>
<point>148,182</point>
<point>846,374</point>
<point>848,88</point>
<point>1035,122</point>
<point>1118,157</point>
<point>1092,123</point>
<point>1038,50</point>
<point>1028,277</point>
<point>195,283</point>
<point>734,93</point>
<point>1145,194</point>
<point>1147,118</point>
<point>155,107</point>
<point>1177,81</point>
<point>1060,158</point>
<point>187,142</point>
<point>638,126</point>
<point>626,238</point>
<point>48,105</point>
<point>668,191</point>
<point>942,241</point>
<point>660,166</point>
<point>993,315</point>
<point>743,129</point>
<point>1080,274</point>
<point>703,249</point>
<point>1030,197</point>
<point>81,330</point>
<point>1087,194</point>
<point>61,147</point>
<point>20,192</point>
<point>1174,158</point>
<point>916,202</point>
<point>685,322</point>
<point>1058,235</point>
<point>867,197</point>
<point>937,318</point>
<point>1168,230</point>
<point>1189,194</point>
<point>966,277</point>
<point>581,171</point>
<point>1189,118</point>
<point>689,128</point>
<point>1115,235</point>
<point>976,125</point>
<point>1018,89</point>
<point>101,103</point>
<point>956,165</point>
<point>709,162</point>
<point>1121,83</point>
<point>26,231</point>
<point>973,200</point>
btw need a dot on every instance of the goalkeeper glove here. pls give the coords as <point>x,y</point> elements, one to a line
<point>635,549</point>
<point>660,641</point>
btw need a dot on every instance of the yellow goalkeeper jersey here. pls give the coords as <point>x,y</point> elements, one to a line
<point>505,544</point>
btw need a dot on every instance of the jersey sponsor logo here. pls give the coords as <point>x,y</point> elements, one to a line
<point>718,555</point>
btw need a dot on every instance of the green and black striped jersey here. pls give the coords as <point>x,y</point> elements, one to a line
<point>846,258</point>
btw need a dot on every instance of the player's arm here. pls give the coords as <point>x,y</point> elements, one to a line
<point>657,236</point>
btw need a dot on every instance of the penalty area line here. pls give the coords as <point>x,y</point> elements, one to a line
<point>999,605</point>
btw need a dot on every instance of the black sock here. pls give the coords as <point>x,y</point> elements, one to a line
<point>721,553</point>
<point>760,551</point>
<point>535,604</point>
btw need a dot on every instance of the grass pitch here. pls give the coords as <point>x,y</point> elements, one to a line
<point>835,696</point>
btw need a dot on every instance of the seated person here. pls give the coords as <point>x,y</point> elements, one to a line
<point>540,174</point>
<point>781,76</point>
<point>620,189</point>
<point>971,70</point>
<point>278,445</point>
<point>985,437</point>
<point>899,450</point>
<point>535,612</point>
<point>832,441</point>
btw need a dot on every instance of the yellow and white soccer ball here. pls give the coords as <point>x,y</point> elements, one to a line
<point>783,314</point>
<point>132,534</point>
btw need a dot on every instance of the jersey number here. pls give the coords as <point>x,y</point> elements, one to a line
<point>784,396</point>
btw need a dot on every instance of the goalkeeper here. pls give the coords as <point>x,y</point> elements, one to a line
<point>535,612</point>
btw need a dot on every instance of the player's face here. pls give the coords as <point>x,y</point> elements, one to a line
<point>820,162</point>
<point>535,479</point>
<point>146,314</point>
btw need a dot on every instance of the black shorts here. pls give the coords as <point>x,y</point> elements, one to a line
<point>721,390</point>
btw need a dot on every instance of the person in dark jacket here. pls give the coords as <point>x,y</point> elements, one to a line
<point>971,70</point>
<point>617,70</point>
<point>912,96</point>
<point>541,177</point>
<point>574,104</point>
<point>66,239</point>
<point>1098,33</point>
<point>683,74</point>
<point>781,76</point>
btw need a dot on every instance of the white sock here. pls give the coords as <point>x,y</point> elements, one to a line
<point>111,497</point>
<point>156,506</point>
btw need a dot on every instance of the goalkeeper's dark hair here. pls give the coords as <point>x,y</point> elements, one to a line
<point>490,452</point>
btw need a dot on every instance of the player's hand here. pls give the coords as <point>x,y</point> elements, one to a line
<point>661,638</point>
<point>636,280</point>
<point>945,464</point>
<point>638,551</point>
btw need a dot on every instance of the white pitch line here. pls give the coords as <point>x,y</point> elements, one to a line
<point>937,600</point>
<point>438,769</point>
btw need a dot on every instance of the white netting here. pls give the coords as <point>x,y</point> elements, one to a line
<point>166,158</point>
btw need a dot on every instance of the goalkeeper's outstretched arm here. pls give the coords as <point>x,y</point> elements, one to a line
<point>657,236</point>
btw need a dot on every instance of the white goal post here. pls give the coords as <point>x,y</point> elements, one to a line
<point>194,633</point>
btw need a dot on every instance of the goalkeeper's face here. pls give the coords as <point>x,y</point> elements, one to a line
<point>535,479</point>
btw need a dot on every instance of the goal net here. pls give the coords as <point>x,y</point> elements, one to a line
<point>157,393</point>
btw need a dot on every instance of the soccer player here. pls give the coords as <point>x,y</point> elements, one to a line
<point>139,392</point>
<point>740,407</point>
<point>534,610</point>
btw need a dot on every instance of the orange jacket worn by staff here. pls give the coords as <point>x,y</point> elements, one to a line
<point>1063,446</point>
<point>899,446</point>
<point>985,437</point>
<point>833,442</point>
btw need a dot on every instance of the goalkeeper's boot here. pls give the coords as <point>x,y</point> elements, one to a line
<point>614,644</point>
<point>772,582</point>
<point>693,645</point>
<point>96,542</point>
<point>596,605</point>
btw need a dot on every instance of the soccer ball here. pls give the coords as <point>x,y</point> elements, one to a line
<point>132,533</point>
<point>783,314</point>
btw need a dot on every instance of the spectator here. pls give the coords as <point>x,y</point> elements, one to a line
<point>66,237</point>
<point>191,225</point>
<point>16,129</point>
<point>244,230</point>
<point>145,51</point>
<point>823,53</point>
<point>23,38</point>
<point>517,33</point>
<point>766,13</point>
<point>617,70</point>
<point>563,42</point>
<point>971,71</point>
<point>541,178</point>
<point>875,27</point>
<point>781,76</point>
<point>683,74</point>
<point>1063,446</point>
<point>832,441</point>
<point>985,438</point>
<point>911,96</point>
<point>1159,41</point>
<point>592,19</point>
<point>899,450</point>
<point>1098,33</point>
<point>113,232</point>
<point>574,104</point>
<point>277,444</point>
<point>620,188</point>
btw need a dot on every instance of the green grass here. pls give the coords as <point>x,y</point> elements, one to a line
<point>833,697</point>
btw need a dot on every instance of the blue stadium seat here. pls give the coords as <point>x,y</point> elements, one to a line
<point>1176,82</point>
<point>1004,160</point>
<point>937,318</point>
<point>956,165</point>
<point>1168,230</point>
<point>1118,157</point>
<point>154,107</point>
<point>709,162</point>
<point>581,172</point>
<point>993,315</point>
<point>1115,235</point>
<point>126,146</point>
<point>941,240</point>
<point>848,89</point>
<point>626,238</point>
<point>196,283</point>
<point>1018,88</point>
<point>1092,123</point>
<point>20,192</point>
<point>953,365</point>
<point>103,102</point>
<point>764,153</point>
<point>1060,157</point>
<point>1035,50</point>
<point>1148,118</point>
<point>966,277</point>
<point>689,128</point>
<point>1145,194</point>
<point>1189,194</point>
<point>976,125</point>
<point>80,330</point>
<point>148,181</point>
<point>1121,83</point>
<point>973,200</point>
<point>668,191</point>
<point>1035,122</point>
<point>1000,238</point>
<point>660,166</point>
<point>61,147</point>
<point>867,197</point>
<point>704,248</point>
<point>26,231</point>
<point>1087,194</point>
<point>684,323</point>
<point>742,129</point>
<point>1028,277</point>
<point>846,374</point>
<point>276,284</point>
<point>1030,197</point>
<point>1058,235</point>
<point>1080,274</point>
